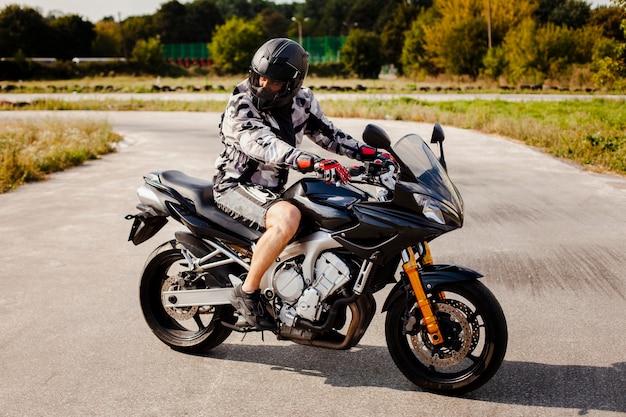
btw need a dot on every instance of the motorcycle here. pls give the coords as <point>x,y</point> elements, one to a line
<point>444,329</point>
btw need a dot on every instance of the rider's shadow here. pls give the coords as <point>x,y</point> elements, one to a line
<point>522,383</point>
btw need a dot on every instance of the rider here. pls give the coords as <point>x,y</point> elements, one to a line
<point>261,129</point>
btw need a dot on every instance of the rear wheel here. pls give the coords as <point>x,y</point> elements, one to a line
<point>475,338</point>
<point>187,329</point>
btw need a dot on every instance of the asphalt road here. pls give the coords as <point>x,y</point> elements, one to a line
<point>549,238</point>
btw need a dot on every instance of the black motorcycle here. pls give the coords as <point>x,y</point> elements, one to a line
<point>445,330</point>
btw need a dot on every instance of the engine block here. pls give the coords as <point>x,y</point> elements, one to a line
<point>330,274</point>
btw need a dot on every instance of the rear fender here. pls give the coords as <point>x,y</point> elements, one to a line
<point>194,245</point>
<point>433,276</point>
<point>145,225</point>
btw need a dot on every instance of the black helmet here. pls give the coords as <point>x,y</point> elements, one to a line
<point>280,60</point>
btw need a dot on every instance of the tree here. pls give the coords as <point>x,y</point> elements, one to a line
<point>571,13</point>
<point>457,42</point>
<point>538,52</point>
<point>275,23</point>
<point>148,54</point>
<point>494,62</point>
<point>234,43</point>
<point>365,13</point>
<point>245,9</point>
<point>414,56</point>
<point>545,9</point>
<point>136,28</point>
<point>170,21</point>
<point>108,40</point>
<point>460,52</point>
<point>520,49</point>
<point>556,49</point>
<point>585,39</point>
<point>441,37</point>
<point>73,36</point>
<point>610,20</point>
<point>328,18</point>
<point>361,54</point>
<point>393,33</point>
<point>23,29</point>
<point>618,64</point>
<point>201,18</point>
<point>506,14</point>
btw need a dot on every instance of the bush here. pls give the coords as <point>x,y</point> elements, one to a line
<point>234,44</point>
<point>494,63</point>
<point>328,70</point>
<point>148,54</point>
<point>361,54</point>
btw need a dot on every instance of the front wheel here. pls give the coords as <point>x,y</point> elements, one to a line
<point>187,329</point>
<point>475,338</point>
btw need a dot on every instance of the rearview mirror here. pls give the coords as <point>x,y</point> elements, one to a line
<point>438,135</point>
<point>376,137</point>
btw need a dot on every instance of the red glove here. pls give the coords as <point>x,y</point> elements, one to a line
<point>333,172</point>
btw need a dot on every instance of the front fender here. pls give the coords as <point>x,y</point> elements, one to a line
<point>432,276</point>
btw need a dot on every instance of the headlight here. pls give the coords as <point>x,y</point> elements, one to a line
<point>429,208</point>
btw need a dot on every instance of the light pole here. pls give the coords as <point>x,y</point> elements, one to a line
<point>299,23</point>
<point>489,21</point>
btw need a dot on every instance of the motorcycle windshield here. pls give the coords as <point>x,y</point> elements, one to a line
<point>432,178</point>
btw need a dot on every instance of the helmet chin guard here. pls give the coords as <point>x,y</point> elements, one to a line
<point>280,60</point>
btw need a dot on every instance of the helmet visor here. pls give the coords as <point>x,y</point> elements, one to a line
<point>278,69</point>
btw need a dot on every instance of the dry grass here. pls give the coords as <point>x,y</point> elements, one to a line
<point>30,150</point>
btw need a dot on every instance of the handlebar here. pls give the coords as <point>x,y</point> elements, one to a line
<point>373,174</point>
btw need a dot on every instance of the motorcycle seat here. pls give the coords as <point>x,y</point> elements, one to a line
<point>195,189</point>
<point>200,192</point>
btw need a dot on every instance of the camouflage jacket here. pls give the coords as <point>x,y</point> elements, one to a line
<point>258,151</point>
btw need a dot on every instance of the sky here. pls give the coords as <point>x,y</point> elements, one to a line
<point>95,10</point>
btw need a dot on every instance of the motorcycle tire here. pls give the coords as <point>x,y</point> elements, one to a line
<point>475,338</point>
<point>185,329</point>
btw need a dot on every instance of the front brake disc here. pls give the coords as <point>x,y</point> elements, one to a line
<point>450,352</point>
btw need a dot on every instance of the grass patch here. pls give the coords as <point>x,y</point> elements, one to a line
<point>590,132</point>
<point>29,150</point>
<point>112,104</point>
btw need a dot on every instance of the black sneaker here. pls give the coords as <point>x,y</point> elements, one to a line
<point>249,307</point>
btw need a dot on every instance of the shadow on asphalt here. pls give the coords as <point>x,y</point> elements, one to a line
<point>522,383</point>
<point>563,386</point>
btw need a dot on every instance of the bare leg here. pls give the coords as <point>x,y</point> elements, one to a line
<point>281,223</point>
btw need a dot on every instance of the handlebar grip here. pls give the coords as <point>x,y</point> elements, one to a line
<point>356,170</point>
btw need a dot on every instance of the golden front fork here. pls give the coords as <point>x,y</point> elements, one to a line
<point>412,271</point>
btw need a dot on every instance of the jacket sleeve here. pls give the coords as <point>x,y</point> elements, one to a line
<point>244,127</point>
<point>323,132</point>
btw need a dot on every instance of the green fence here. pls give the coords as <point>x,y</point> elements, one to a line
<point>185,50</point>
<point>322,49</point>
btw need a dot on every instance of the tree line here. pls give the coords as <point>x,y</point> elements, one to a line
<point>522,41</point>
